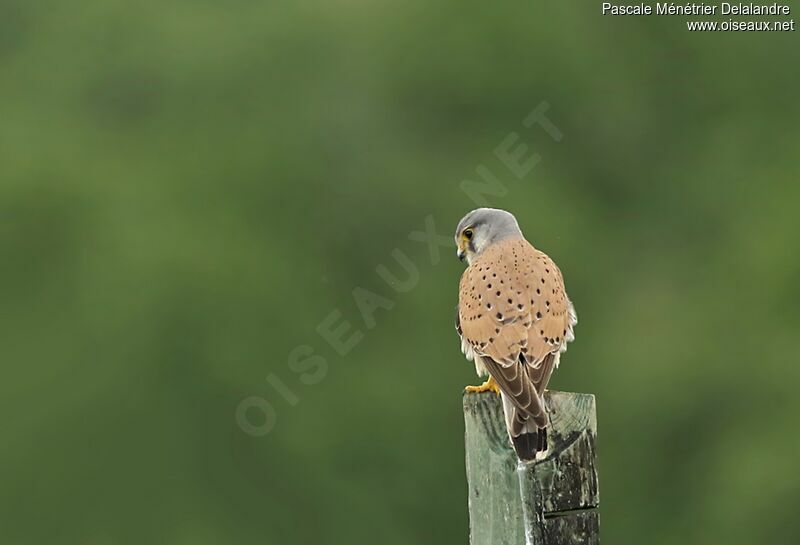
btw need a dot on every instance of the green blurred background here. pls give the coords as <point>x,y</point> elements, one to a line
<point>188,188</point>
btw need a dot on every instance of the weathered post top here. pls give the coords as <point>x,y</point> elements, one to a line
<point>552,501</point>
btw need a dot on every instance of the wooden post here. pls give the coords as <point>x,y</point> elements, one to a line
<point>552,501</point>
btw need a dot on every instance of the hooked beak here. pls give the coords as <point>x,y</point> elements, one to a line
<point>461,254</point>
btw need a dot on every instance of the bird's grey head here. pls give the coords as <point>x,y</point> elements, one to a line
<point>483,227</point>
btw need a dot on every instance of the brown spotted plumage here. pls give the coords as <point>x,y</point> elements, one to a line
<point>514,319</point>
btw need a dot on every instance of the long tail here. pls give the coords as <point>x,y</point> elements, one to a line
<point>526,446</point>
<point>526,436</point>
<point>524,408</point>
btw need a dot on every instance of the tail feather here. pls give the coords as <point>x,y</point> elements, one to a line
<point>526,445</point>
<point>525,434</point>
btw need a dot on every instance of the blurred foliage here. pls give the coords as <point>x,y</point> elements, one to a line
<point>188,188</point>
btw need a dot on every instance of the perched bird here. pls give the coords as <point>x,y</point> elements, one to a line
<point>514,319</point>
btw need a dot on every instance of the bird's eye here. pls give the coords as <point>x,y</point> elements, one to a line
<point>467,234</point>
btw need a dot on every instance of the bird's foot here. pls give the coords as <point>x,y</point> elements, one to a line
<point>489,386</point>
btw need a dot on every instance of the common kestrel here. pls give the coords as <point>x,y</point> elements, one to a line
<point>514,319</point>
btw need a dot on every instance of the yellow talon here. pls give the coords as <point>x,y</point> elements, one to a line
<point>489,386</point>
